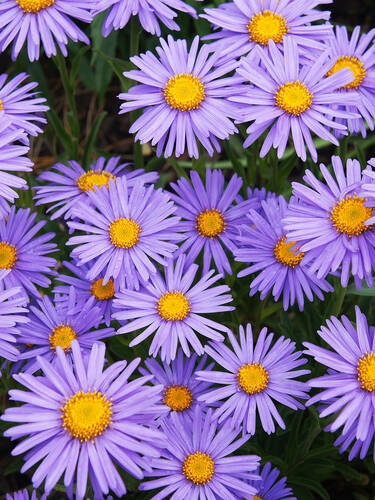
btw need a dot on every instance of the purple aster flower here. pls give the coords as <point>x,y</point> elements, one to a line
<point>197,462</point>
<point>23,260</point>
<point>289,98</point>
<point>127,226</point>
<point>53,324</point>
<point>80,420</point>
<point>358,54</point>
<point>23,495</point>
<point>329,222</point>
<point>149,12</point>
<point>282,266</point>
<point>46,21</point>
<point>359,447</point>
<point>254,377</point>
<point>347,390</point>
<point>69,184</point>
<point>209,216</point>
<point>19,107</point>
<point>181,389</point>
<point>368,189</point>
<point>269,487</point>
<point>171,309</point>
<point>185,98</point>
<point>243,25</point>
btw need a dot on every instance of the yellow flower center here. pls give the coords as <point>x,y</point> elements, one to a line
<point>124,233</point>
<point>87,415</point>
<point>198,467</point>
<point>101,292</point>
<point>178,397</point>
<point>184,92</point>
<point>252,378</point>
<point>34,6</point>
<point>8,255</point>
<point>285,255</point>
<point>267,26</point>
<point>257,498</point>
<point>173,306</point>
<point>350,214</point>
<point>210,223</point>
<point>366,372</point>
<point>62,335</point>
<point>294,98</point>
<point>355,65</point>
<point>1,105</point>
<point>93,178</point>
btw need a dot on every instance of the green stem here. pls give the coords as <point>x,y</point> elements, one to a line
<point>339,300</point>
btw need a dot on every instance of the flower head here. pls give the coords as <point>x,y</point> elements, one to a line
<point>269,487</point>
<point>255,376</point>
<point>23,495</point>
<point>171,309</point>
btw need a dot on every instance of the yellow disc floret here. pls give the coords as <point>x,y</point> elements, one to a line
<point>173,306</point>
<point>184,92</point>
<point>1,105</point>
<point>101,292</point>
<point>62,335</point>
<point>8,255</point>
<point>34,6</point>
<point>87,415</point>
<point>210,223</point>
<point>366,372</point>
<point>198,467</point>
<point>355,65</point>
<point>178,397</point>
<point>252,378</point>
<point>267,26</point>
<point>285,255</point>
<point>294,98</point>
<point>93,178</point>
<point>350,214</point>
<point>124,233</point>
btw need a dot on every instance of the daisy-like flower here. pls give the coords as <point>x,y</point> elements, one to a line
<point>286,97</point>
<point>23,495</point>
<point>269,487</point>
<point>197,462</point>
<point>358,54</point>
<point>181,389</point>
<point>42,21</point>
<point>80,420</point>
<point>19,107</point>
<point>358,447</point>
<point>69,184</point>
<point>58,324</point>
<point>23,260</point>
<point>171,309</point>
<point>185,98</point>
<point>243,25</point>
<point>255,376</point>
<point>127,226</point>
<point>149,12</point>
<point>331,223</point>
<point>210,218</point>
<point>281,264</point>
<point>347,389</point>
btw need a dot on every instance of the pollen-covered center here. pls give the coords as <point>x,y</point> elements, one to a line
<point>285,255</point>
<point>87,415</point>
<point>294,98</point>
<point>34,6</point>
<point>101,292</point>
<point>267,26</point>
<point>173,306</point>
<point>355,65</point>
<point>124,233</point>
<point>8,255</point>
<point>184,92</point>
<point>198,467</point>
<point>1,105</point>
<point>350,214</point>
<point>366,372</point>
<point>92,178</point>
<point>178,397</point>
<point>62,335</point>
<point>252,378</point>
<point>210,223</point>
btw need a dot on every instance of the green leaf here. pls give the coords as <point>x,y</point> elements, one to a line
<point>310,484</point>
<point>91,139</point>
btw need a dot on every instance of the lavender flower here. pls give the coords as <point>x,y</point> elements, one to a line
<point>270,488</point>
<point>23,495</point>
